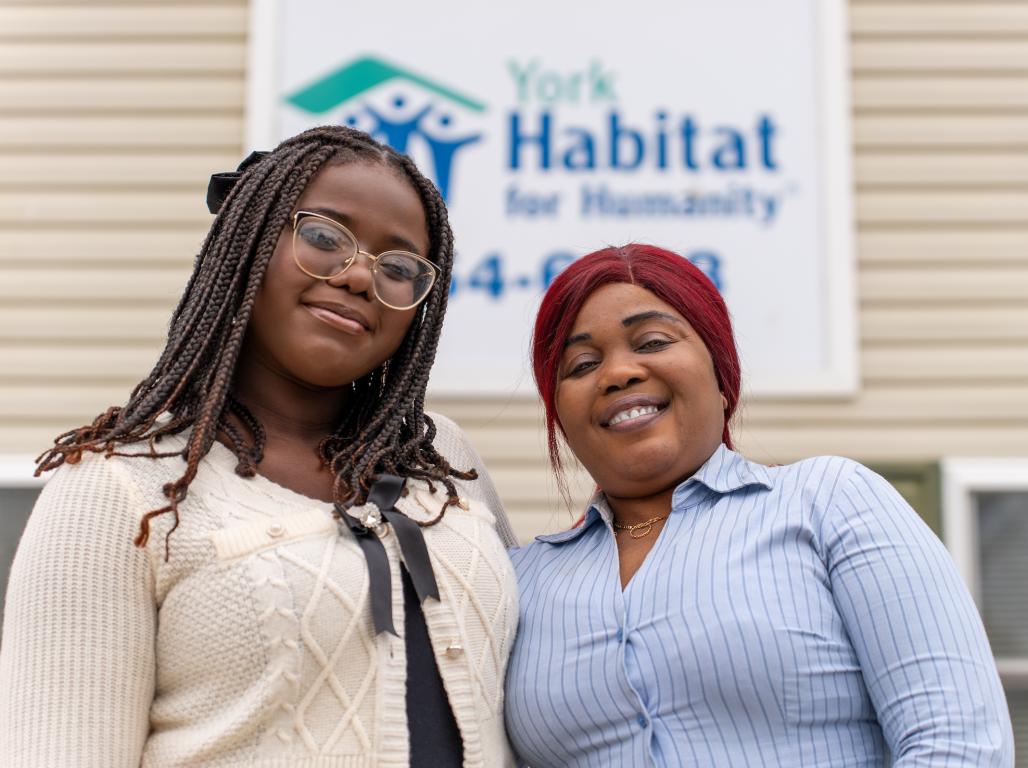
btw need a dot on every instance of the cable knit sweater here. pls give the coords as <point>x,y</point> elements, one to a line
<point>252,645</point>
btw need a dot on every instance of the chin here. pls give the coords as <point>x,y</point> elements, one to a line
<point>331,368</point>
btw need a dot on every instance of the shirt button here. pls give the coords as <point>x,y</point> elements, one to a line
<point>275,530</point>
<point>454,650</point>
<point>620,635</point>
<point>642,721</point>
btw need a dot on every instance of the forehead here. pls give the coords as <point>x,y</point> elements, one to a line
<point>371,197</point>
<point>609,305</point>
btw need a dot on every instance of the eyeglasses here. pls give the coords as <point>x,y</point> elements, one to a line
<point>323,248</point>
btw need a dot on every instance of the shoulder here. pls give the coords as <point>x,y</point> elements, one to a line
<point>815,481</point>
<point>447,432</point>
<point>94,478</point>
<point>850,503</point>
<point>452,442</point>
<point>129,482</point>
<point>831,477</point>
<point>815,469</point>
<point>93,506</point>
<point>828,488</point>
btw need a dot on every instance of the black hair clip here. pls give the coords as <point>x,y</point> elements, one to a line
<point>221,183</point>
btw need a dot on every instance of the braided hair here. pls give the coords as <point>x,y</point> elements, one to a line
<point>385,429</point>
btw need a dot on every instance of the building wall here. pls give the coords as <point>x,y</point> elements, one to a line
<point>112,117</point>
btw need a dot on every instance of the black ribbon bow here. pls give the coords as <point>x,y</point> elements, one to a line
<point>383,495</point>
<point>221,183</point>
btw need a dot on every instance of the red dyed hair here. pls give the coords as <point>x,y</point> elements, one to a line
<point>669,277</point>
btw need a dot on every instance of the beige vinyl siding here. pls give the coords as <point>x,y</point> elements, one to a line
<point>113,115</point>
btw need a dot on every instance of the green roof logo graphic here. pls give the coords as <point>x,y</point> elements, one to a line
<point>362,75</point>
<point>419,117</point>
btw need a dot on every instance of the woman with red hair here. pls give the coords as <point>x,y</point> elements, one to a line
<point>709,610</point>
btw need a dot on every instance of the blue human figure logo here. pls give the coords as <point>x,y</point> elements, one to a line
<point>443,152</point>
<point>397,133</point>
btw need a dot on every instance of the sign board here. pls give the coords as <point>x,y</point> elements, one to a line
<point>717,130</point>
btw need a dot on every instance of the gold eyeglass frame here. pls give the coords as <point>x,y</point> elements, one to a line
<point>372,259</point>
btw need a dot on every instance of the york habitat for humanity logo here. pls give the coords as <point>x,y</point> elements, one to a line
<point>417,116</point>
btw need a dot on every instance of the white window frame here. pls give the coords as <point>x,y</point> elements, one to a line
<point>961,479</point>
<point>16,471</point>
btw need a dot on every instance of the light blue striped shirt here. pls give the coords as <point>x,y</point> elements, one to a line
<point>801,615</point>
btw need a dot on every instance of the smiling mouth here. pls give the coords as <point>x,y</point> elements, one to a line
<point>636,415</point>
<point>632,413</point>
<point>341,318</point>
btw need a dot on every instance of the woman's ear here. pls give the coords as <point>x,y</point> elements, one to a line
<point>724,402</point>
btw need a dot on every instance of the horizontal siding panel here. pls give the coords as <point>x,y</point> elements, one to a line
<point>135,58</point>
<point>65,395</point>
<point>879,326</point>
<point>142,171</point>
<point>136,95</point>
<point>983,405</point>
<point>873,441</point>
<point>993,132</point>
<point>932,56</point>
<point>938,18</point>
<point>94,323</point>
<point>939,93</point>
<point>72,403</point>
<point>966,170</point>
<point>536,486</point>
<point>30,439</point>
<point>879,443</point>
<point>122,133</point>
<point>111,21</point>
<point>103,207</point>
<point>925,207</point>
<point>99,285</point>
<point>942,245</point>
<point>917,406</point>
<point>75,248</point>
<point>521,445</point>
<point>498,412</point>
<point>955,284</point>
<point>54,363</point>
<point>932,366</point>
<point>943,323</point>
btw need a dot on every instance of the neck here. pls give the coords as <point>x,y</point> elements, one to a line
<point>630,511</point>
<point>289,410</point>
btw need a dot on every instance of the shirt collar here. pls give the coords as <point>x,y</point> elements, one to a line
<point>724,472</point>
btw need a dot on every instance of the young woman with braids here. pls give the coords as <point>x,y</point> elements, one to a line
<point>229,569</point>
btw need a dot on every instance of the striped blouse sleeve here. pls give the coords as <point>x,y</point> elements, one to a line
<point>920,642</point>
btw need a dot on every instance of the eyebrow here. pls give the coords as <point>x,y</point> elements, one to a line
<point>398,241</point>
<point>628,322</point>
<point>653,314</point>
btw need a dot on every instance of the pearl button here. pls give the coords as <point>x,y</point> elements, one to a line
<point>275,530</point>
<point>463,504</point>
<point>454,650</point>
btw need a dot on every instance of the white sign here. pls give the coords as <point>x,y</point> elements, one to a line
<point>717,130</point>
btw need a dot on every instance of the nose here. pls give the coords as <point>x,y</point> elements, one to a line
<point>356,278</point>
<point>620,371</point>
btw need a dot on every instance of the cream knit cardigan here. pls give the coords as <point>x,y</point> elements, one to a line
<point>252,645</point>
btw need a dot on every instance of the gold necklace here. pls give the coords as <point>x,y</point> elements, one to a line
<point>644,528</point>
